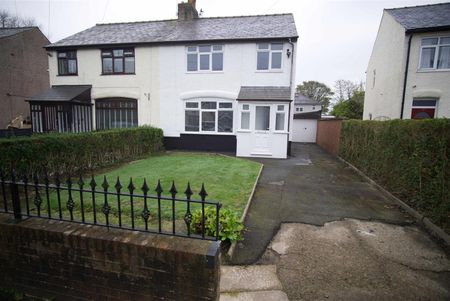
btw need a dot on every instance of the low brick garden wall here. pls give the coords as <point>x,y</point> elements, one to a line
<point>67,261</point>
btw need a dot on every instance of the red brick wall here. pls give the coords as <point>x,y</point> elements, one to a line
<point>67,261</point>
<point>329,134</point>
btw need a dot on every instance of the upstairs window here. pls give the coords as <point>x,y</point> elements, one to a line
<point>67,62</point>
<point>435,53</point>
<point>269,56</point>
<point>205,58</point>
<point>118,61</point>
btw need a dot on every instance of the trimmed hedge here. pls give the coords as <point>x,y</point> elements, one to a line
<point>410,158</point>
<point>76,153</point>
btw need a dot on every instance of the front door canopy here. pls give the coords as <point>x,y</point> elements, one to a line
<point>265,93</point>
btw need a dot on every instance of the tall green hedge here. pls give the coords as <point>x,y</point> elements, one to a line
<point>410,158</point>
<point>75,153</point>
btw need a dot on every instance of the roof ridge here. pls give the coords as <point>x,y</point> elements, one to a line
<point>24,27</point>
<point>423,5</point>
<point>220,17</point>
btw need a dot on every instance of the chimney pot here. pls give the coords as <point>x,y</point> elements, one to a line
<point>187,11</point>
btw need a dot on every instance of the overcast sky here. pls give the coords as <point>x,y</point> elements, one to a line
<point>336,36</point>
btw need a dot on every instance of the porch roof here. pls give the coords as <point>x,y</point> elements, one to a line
<point>265,93</point>
<point>64,93</point>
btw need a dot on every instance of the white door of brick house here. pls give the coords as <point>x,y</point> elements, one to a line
<point>262,129</point>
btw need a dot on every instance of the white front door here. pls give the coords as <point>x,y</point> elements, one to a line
<point>262,129</point>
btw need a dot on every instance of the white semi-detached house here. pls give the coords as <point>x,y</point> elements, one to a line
<point>408,75</point>
<point>220,84</point>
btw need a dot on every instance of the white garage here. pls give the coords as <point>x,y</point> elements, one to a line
<point>304,127</point>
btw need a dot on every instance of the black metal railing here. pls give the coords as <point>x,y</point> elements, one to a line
<point>81,202</point>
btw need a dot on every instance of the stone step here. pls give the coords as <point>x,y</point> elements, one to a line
<point>255,296</point>
<point>250,278</point>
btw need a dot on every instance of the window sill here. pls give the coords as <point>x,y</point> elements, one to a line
<point>270,71</point>
<point>207,133</point>
<point>243,131</point>
<point>432,70</point>
<point>280,132</point>
<point>204,72</point>
<point>107,74</point>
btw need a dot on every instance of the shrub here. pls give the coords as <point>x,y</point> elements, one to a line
<point>78,152</point>
<point>410,158</point>
<point>229,224</point>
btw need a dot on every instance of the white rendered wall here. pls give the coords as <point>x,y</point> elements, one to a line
<point>307,108</point>
<point>385,72</point>
<point>239,69</point>
<point>434,84</point>
<point>161,73</point>
<point>144,82</point>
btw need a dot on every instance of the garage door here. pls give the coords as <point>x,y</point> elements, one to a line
<point>304,130</point>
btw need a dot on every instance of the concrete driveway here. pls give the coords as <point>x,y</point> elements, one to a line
<point>333,236</point>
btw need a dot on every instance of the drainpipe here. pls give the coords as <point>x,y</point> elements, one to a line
<point>406,76</point>
<point>290,85</point>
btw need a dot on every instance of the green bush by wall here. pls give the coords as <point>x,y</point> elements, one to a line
<point>75,153</point>
<point>410,158</point>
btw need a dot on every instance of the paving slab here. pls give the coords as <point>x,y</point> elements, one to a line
<point>249,278</point>
<point>359,260</point>
<point>255,296</point>
<point>310,187</point>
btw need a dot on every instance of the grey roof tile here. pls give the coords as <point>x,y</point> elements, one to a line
<point>265,93</point>
<point>170,31</point>
<point>62,93</point>
<point>422,17</point>
<point>301,99</point>
<point>6,32</point>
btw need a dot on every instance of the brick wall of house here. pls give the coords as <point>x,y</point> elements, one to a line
<point>23,72</point>
<point>329,134</point>
<point>67,261</point>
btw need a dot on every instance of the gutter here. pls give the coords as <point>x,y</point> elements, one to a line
<point>290,85</point>
<point>406,76</point>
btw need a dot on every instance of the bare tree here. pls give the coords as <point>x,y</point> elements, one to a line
<point>9,20</point>
<point>345,89</point>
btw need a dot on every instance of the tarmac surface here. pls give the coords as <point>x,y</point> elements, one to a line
<point>310,187</point>
<point>317,231</point>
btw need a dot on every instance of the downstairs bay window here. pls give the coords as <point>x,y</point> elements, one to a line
<point>116,113</point>
<point>208,116</point>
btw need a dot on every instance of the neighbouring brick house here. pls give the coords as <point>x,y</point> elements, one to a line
<point>23,70</point>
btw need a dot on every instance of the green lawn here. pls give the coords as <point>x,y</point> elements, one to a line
<point>227,180</point>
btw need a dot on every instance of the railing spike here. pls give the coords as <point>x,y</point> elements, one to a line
<point>158,188</point>
<point>203,194</point>
<point>145,187</point>
<point>131,186</point>
<point>118,186</point>
<point>173,190</point>
<point>188,192</point>
<point>105,184</point>
<point>80,181</point>
<point>92,183</point>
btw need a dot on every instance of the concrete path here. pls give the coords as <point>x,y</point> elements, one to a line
<point>358,260</point>
<point>256,282</point>
<point>310,187</point>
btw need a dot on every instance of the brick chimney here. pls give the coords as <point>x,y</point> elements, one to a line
<point>187,11</point>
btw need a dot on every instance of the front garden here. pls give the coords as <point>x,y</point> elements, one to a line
<point>138,155</point>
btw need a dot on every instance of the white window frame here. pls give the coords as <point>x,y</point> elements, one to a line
<point>200,110</point>
<point>284,112</point>
<point>210,53</point>
<point>247,111</point>
<point>436,53</point>
<point>435,107</point>
<point>270,51</point>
